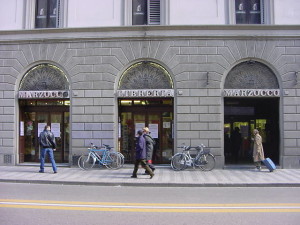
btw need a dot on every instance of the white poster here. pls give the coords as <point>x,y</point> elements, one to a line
<point>154,130</point>
<point>166,124</point>
<point>139,126</point>
<point>55,129</point>
<point>41,127</point>
<point>21,128</point>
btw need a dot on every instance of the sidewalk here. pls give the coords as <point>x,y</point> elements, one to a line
<point>164,177</point>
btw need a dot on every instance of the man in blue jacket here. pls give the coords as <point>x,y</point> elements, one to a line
<point>48,145</point>
<point>140,156</point>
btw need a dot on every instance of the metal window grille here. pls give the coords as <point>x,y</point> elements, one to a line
<point>154,12</point>
<point>7,159</point>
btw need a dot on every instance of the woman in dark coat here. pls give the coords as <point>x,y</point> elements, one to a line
<point>140,156</point>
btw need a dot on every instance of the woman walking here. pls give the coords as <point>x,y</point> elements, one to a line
<point>258,150</point>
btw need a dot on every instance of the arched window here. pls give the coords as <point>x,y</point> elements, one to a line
<point>145,75</point>
<point>44,77</point>
<point>251,75</point>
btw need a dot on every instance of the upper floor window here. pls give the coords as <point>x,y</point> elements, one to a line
<point>146,12</point>
<point>47,13</point>
<point>249,12</point>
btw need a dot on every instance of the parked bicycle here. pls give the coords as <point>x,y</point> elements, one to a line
<point>103,157</point>
<point>119,153</point>
<point>203,159</point>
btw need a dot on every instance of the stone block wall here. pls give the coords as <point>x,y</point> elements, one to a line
<point>197,65</point>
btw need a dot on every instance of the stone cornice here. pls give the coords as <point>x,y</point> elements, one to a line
<point>152,32</point>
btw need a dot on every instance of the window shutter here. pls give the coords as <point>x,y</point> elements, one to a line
<point>153,12</point>
<point>58,14</point>
<point>262,11</point>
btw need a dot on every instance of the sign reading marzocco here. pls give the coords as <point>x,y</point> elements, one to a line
<point>43,94</point>
<point>251,93</point>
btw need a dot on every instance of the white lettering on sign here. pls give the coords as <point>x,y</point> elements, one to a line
<point>148,93</point>
<point>43,94</point>
<point>251,93</point>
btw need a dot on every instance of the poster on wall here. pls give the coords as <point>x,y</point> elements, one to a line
<point>21,128</point>
<point>139,126</point>
<point>166,125</point>
<point>154,130</point>
<point>41,127</point>
<point>55,128</point>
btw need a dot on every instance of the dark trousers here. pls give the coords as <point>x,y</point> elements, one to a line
<point>144,165</point>
<point>149,163</point>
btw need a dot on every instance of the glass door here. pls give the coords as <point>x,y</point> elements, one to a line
<point>139,121</point>
<point>56,123</point>
<point>167,136</point>
<point>154,124</point>
<point>160,125</point>
<point>34,124</point>
<point>42,121</point>
<point>34,116</point>
<point>29,136</point>
<point>157,115</point>
<point>238,142</point>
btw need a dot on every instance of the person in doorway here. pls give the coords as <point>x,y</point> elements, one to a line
<point>236,140</point>
<point>258,151</point>
<point>140,155</point>
<point>48,145</point>
<point>149,148</point>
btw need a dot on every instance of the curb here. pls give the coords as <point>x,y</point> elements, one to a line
<point>124,184</point>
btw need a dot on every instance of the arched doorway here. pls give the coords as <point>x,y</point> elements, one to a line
<point>43,100</point>
<point>251,100</point>
<point>145,99</point>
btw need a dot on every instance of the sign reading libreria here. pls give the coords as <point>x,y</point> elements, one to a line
<point>146,93</point>
<point>43,94</point>
<point>251,93</point>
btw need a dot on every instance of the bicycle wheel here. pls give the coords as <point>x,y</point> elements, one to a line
<point>88,162</point>
<point>80,162</point>
<point>122,159</point>
<point>178,162</point>
<point>113,161</point>
<point>207,162</point>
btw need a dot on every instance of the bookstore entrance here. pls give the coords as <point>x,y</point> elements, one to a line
<point>157,115</point>
<point>145,98</point>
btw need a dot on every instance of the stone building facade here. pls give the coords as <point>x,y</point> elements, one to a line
<point>214,80</point>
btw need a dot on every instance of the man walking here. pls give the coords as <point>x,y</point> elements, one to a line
<point>140,155</point>
<point>149,148</point>
<point>48,145</point>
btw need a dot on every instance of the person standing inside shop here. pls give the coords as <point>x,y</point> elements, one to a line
<point>236,140</point>
<point>48,146</point>
<point>149,148</point>
<point>140,155</point>
<point>258,151</point>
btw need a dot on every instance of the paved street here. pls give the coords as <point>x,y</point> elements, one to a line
<point>24,203</point>
<point>164,177</point>
<point>239,196</point>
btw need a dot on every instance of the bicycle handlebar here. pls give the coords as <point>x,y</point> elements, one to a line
<point>187,148</point>
<point>92,146</point>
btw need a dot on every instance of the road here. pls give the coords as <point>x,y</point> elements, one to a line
<point>67,204</point>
